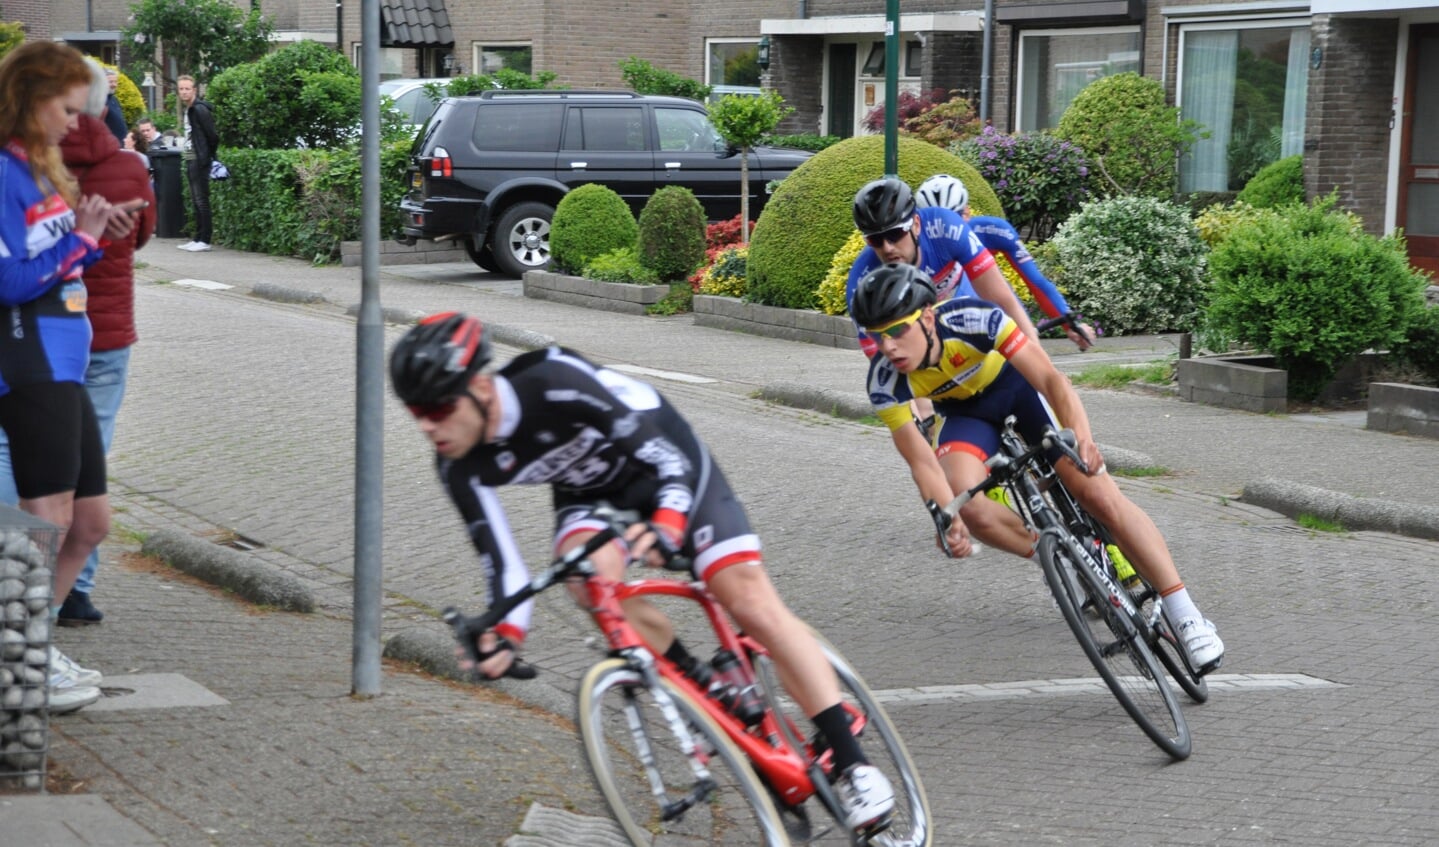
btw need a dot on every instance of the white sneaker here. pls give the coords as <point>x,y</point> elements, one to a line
<point>199,247</point>
<point>70,669</point>
<point>66,696</point>
<point>866,797</point>
<point>188,245</point>
<point>1202,642</point>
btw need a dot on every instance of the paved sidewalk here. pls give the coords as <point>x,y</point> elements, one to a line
<point>231,724</point>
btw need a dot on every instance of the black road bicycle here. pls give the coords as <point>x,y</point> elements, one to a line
<point>1122,629</point>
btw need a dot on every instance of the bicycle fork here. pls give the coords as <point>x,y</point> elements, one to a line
<point>704,783</point>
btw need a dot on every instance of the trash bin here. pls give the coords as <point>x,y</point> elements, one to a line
<point>169,192</point>
<point>27,570</point>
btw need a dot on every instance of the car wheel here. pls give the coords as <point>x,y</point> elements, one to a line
<point>481,256</point>
<point>521,240</point>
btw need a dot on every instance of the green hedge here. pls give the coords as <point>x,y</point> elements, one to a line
<point>301,202</point>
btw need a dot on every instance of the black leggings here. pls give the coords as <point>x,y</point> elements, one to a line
<point>54,440</point>
<point>199,175</point>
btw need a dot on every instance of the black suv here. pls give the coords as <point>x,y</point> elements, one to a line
<point>489,169</point>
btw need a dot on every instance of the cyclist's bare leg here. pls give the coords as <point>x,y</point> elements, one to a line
<point>1133,530</point>
<point>750,598</point>
<point>649,621</point>
<point>992,523</point>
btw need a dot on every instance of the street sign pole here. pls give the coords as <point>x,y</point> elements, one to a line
<point>891,89</point>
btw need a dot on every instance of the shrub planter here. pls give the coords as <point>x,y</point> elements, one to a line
<point>774,322</point>
<point>623,297</point>
<point>1254,384</point>
<point>395,253</point>
<point>1395,407</point>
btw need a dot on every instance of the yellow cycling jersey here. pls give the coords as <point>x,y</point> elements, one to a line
<point>976,339</point>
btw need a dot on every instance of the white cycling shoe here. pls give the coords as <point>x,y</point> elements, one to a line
<point>866,797</point>
<point>1201,641</point>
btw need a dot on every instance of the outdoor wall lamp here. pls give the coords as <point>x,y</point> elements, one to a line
<point>763,58</point>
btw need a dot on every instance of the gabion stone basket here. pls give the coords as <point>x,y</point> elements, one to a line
<point>27,570</point>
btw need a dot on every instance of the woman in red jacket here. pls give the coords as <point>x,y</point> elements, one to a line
<point>102,167</point>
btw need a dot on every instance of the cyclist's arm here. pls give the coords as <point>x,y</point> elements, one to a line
<point>500,560</point>
<point>1035,366</point>
<point>987,281</point>
<point>865,262</point>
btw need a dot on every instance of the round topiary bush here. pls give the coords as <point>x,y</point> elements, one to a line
<point>672,232</point>
<point>1276,183</point>
<point>810,215</point>
<point>1132,137</point>
<point>589,221</point>
<point>1132,264</point>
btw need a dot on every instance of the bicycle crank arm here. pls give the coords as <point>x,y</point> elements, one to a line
<point>675,808</point>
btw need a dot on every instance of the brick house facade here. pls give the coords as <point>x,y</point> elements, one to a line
<point>818,51</point>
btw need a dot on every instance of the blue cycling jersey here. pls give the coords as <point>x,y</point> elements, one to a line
<point>999,236</point>
<point>952,251</point>
<point>46,333</point>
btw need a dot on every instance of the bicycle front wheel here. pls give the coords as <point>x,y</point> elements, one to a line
<point>660,792</point>
<point>911,824</point>
<point>1116,647</point>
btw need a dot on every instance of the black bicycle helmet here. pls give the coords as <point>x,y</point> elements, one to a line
<point>890,292</point>
<point>882,205</point>
<point>436,358</point>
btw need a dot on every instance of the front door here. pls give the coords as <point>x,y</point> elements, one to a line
<point>840,111</point>
<point>1419,157</point>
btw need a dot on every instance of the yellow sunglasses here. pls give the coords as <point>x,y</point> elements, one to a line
<point>898,328</point>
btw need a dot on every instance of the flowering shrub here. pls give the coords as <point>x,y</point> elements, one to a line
<point>725,277</point>
<point>1135,264</point>
<point>831,288</point>
<point>1040,179</point>
<point>719,236</point>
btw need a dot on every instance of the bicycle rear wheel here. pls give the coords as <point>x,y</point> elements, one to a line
<point>630,745</point>
<point>1120,653</point>
<point>911,824</point>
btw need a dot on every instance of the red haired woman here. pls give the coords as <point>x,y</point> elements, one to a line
<point>48,235</point>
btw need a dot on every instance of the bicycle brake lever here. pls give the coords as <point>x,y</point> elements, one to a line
<point>942,521</point>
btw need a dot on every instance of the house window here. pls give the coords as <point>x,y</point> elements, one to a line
<point>909,52</point>
<point>391,61</point>
<point>1246,85</point>
<point>1055,64</point>
<point>495,57</point>
<point>733,66</point>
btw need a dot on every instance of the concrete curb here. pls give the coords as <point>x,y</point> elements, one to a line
<point>1356,513</point>
<point>847,404</point>
<point>433,650</point>
<point>284,294</point>
<point>253,580</point>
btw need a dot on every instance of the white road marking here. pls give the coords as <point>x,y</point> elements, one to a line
<point>207,284</point>
<point>672,376</point>
<point>1087,685</point>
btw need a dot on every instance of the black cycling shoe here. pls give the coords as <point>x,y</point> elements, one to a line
<point>77,610</point>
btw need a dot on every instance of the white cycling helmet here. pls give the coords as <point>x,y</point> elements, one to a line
<point>944,191</point>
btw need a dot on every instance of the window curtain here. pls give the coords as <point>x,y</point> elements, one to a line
<point>1296,91</point>
<point>1210,60</point>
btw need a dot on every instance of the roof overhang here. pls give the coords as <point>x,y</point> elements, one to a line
<point>1072,13</point>
<point>1348,7</point>
<point>415,23</point>
<point>91,35</point>
<point>873,24</point>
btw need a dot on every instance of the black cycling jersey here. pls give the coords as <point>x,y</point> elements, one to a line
<point>594,435</point>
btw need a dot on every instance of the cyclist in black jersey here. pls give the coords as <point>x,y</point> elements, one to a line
<point>598,437</point>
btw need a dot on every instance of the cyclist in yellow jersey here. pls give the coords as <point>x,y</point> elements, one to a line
<point>977,366</point>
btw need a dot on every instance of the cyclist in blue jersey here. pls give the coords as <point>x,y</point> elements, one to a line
<point>999,236</point>
<point>937,241</point>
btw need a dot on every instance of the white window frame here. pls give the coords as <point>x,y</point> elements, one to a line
<point>1217,24</point>
<point>477,49</point>
<point>719,88</point>
<point>1020,101</point>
